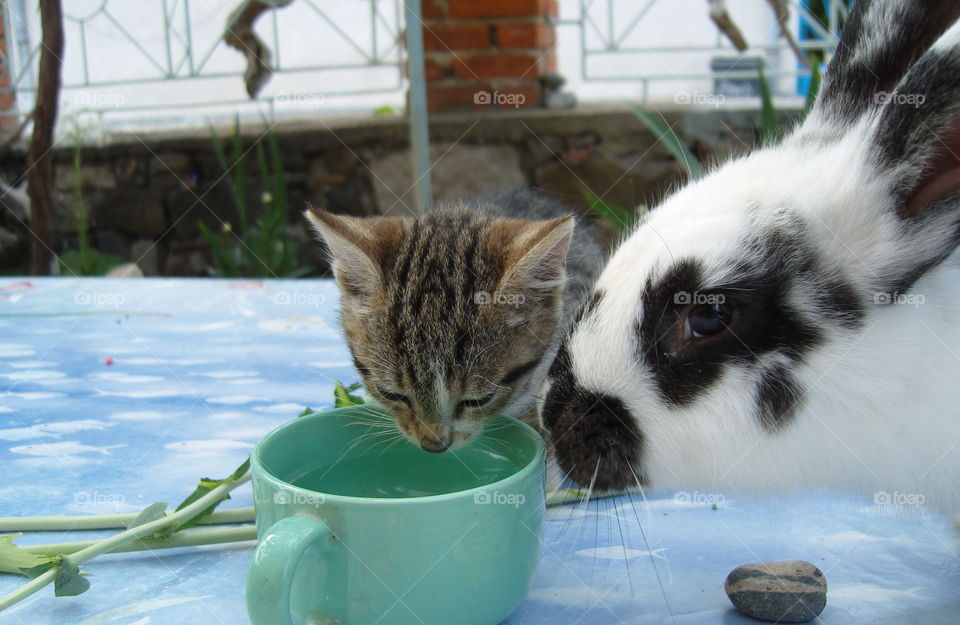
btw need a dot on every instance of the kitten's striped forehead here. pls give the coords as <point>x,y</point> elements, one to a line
<point>431,291</point>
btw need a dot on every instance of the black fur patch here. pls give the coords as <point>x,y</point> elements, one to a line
<point>360,367</point>
<point>763,320</point>
<point>778,397</point>
<point>595,437</point>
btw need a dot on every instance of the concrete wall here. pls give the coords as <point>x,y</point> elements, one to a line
<point>148,192</point>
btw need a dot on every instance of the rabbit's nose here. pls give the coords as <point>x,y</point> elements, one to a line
<point>596,439</point>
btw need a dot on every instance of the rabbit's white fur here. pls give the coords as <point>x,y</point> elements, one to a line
<point>878,408</point>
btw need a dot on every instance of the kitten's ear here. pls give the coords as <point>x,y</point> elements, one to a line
<point>537,254</point>
<point>355,248</point>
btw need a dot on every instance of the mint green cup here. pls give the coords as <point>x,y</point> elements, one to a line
<point>356,528</point>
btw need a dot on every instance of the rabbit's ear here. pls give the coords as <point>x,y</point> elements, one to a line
<point>916,140</point>
<point>881,40</point>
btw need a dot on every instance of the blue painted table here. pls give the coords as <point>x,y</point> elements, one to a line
<point>201,369</point>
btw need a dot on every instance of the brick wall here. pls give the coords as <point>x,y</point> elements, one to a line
<point>8,118</point>
<point>481,54</point>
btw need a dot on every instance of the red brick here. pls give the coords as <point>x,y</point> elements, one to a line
<point>450,97</point>
<point>432,9</point>
<point>525,35</point>
<point>463,36</point>
<point>9,123</point>
<point>482,97</point>
<point>520,96</point>
<point>471,9</point>
<point>549,62</point>
<point>480,66</point>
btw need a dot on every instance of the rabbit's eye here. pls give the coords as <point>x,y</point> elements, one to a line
<point>708,319</point>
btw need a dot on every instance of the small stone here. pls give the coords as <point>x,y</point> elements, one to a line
<point>126,270</point>
<point>784,592</point>
<point>144,252</point>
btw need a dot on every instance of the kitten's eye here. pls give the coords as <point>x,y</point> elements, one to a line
<point>391,396</point>
<point>708,319</point>
<point>476,403</point>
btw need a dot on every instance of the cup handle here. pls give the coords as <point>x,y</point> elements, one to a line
<point>275,559</point>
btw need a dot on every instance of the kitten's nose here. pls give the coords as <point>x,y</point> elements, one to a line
<point>434,445</point>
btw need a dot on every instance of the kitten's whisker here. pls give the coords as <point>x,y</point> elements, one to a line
<point>391,445</point>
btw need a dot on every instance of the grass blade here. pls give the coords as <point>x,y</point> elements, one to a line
<point>769,124</point>
<point>814,89</point>
<point>665,135</point>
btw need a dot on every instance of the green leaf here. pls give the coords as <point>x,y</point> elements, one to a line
<point>13,559</point>
<point>205,486</point>
<point>769,124</point>
<point>70,582</point>
<point>279,179</point>
<point>40,569</point>
<point>306,412</point>
<point>566,495</point>
<point>150,514</point>
<point>814,89</point>
<point>674,145</point>
<point>239,176</point>
<point>619,217</point>
<point>87,262</point>
<point>342,395</point>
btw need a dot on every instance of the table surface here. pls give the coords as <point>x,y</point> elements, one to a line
<point>203,368</point>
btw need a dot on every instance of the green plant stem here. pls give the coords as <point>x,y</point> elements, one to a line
<point>107,521</point>
<point>665,135</point>
<point>186,538</point>
<point>109,544</point>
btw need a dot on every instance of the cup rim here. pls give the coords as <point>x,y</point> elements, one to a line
<point>259,470</point>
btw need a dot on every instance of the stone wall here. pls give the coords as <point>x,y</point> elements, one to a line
<point>145,195</point>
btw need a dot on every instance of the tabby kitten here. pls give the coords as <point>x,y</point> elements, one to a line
<point>455,315</point>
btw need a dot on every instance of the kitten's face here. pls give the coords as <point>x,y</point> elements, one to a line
<point>447,316</point>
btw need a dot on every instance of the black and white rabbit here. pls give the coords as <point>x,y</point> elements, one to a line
<point>792,320</point>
